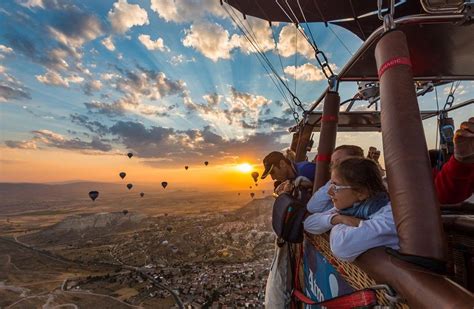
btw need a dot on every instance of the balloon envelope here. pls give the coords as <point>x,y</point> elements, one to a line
<point>125,212</point>
<point>142,194</point>
<point>186,167</point>
<point>206,163</point>
<point>130,155</point>
<point>255,176</point>
<point>93,195</point>
<point>129,186</point>
<point>252,194</point>
<point>164,184</point>
<point>122,175</point>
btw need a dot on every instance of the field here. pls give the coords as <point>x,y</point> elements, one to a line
<point>58,248</point>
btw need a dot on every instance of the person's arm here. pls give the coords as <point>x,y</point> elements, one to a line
<point>453,183</point>
<point>319,223</point>
<point>348,242</point>
<point>320,201</point>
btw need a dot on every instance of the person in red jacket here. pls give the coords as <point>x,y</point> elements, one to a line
<point>454,183</point>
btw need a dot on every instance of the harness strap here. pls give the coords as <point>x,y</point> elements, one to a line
<point>393,62</point>
<point>357,299</point>
<point>329,118</point>
<point>323,157</point>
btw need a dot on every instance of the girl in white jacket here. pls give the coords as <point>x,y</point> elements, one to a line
<point>362,216</point>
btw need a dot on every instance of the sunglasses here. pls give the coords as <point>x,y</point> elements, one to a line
<point>335,188</point>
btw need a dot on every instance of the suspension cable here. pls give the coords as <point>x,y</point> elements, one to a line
<point>264,58</point>
<point>295,99</point>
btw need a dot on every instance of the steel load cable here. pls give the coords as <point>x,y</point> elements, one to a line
<point>262,63</point>
<point>241,27</point>
<point>319,55</point>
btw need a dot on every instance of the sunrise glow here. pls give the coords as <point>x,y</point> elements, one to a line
<point>244,168</point>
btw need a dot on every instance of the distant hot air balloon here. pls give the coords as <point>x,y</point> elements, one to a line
<point>256,184</point>
<point>142,194</point>
<point>93,195</point>
<point>125,212</point>
<point>255,176</point>
<point>169,228</point>
<point>250,187</point>
<point>206,163</point>
<point>129,186</point>
<point>164,184</point>
<point>252,194</point>
<point>186,167</point>
<point>122,175</point>
<point>263,192</point>
<point>129,155</point>
<point>238,193</point>
<point>166,215</point>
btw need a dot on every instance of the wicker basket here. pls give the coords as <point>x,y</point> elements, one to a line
<point>356,277</point>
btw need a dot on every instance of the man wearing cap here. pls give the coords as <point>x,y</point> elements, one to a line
<point>281,169</point>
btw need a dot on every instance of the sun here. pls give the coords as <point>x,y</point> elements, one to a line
<point>244,168</point>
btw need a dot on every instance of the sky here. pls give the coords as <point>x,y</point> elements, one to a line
<point>173,81</point>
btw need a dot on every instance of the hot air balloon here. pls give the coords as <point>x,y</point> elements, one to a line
<point>122,175</point>
<point>142,194</point>
<point>255,176</point>
<point>93,195</point>
<point>186,167</point>
<point>166,215</point>
<point>252,194</point>
<point>164,184</point>
<point>129,155</point>
<point>206,163</point>
<point>250,187</point>
<point>129,186</point>
<point>263,192</point>
<point>125,212</point>
<point>238,194</point>
<point>256,184</point>
<point>169,228</point>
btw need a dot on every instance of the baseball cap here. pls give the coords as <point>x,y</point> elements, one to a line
<point>272,159</point>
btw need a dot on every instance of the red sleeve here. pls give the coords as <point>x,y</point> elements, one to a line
<point>455,182</point>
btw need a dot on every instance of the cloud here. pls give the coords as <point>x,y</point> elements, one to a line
<point>211,40</point>
<point>261,35</point>
<point>55,140</point>
<point>191,145</point>
<point>55,79</point>
<point>289,38</point>
<point>152,45</point>
<point>307,72</point>
<point>12,89</point>
<point>175,60</point>
<point>57,44</point>
<point>124,16</point>
<point>108,43</point>
<point>149,84</point>
<point>21,144</point>
<point>92,125</point>
<point>91,86</point>
<point>186,10</point>
<point>31,3</point>
<point>5,50</point>
<point>278,123</point>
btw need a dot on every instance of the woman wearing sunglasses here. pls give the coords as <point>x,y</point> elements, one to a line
<point>362,216</point>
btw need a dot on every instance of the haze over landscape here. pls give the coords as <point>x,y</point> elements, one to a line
<point>175,83</point>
